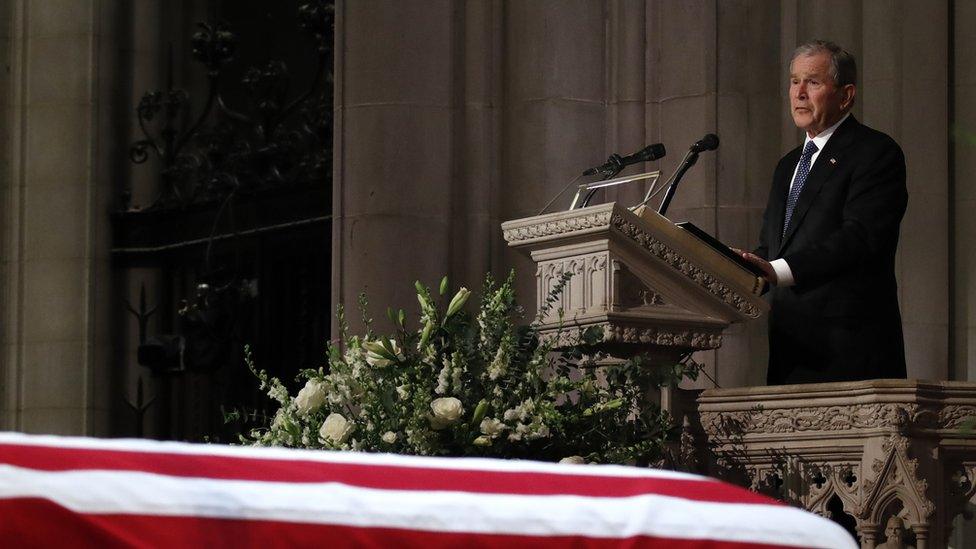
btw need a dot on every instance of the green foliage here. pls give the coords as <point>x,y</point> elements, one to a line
<point>463,384</point>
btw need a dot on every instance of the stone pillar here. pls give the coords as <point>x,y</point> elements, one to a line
<point>477,184</point>
<point>554,110</point>
<point>750,108</point>
<point>868,534</point>
<point>682,107</point>
<point>963,192</point>
<point>906,98</point>
<point>626,90</point>
<point>396,148</point>
<point>55,191</point>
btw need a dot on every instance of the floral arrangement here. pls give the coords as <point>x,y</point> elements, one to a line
<point>465,384</point>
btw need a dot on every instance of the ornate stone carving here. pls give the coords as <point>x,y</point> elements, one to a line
<point>682,264</point>
<point>900,448</point>
<point>829,480</point>
<point>657,335</point>
<point>956,416</point>
<point>645,335</point>
<point>598,262</point>
<point>830,418</point>
<point>895,477</point>
<point>556,227</point>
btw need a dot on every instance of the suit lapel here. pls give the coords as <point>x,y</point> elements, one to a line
<point>777,207</point>
<point>819,174</point>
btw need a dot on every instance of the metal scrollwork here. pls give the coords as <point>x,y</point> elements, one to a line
<point>274,139</point>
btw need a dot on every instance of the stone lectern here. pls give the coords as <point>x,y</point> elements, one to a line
<point>653,287</point>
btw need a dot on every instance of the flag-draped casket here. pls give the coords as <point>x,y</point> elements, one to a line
<point>79,492</point>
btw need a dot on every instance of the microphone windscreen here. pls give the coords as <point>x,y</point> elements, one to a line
<point>653,152</point>
<point>709,142</point>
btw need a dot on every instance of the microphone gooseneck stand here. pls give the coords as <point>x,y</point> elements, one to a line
<point>707,143</point>
<point>686,163</point>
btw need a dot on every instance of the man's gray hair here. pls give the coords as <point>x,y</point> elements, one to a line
<point>843,68</point>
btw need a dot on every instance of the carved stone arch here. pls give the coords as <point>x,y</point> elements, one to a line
<point>895,499</point>
<point>896,478</point>
<point>835,483</point>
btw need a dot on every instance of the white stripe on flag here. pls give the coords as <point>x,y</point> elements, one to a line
<point>127,492</point>
<point>324,456</point>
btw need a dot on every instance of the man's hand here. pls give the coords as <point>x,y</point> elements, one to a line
<point>767,269</point>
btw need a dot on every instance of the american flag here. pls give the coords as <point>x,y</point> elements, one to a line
<point>83,492</point>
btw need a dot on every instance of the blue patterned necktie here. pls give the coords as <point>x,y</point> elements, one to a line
<point>802,171</point>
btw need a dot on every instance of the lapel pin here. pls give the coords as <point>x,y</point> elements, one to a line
<point>833,160</point>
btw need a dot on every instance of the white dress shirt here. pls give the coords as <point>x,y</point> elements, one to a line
<point>784,275</point>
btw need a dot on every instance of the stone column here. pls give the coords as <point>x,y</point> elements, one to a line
<point>904,93</point>
<point>477,123</point>
<point>626,88</point>
<point>682,106</point>
<point>396,141</point>
<point>55,192</point>
<point>963,192</point>
<point>868,534</point>
<point>750,106</point>
<point>554,109</point>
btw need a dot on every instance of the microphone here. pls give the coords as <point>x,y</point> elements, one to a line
<point>707,143</point>
<point>616,162</point>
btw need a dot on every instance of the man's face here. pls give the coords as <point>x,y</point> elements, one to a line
<point>816,102</point>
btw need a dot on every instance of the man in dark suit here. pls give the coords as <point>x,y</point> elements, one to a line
<point>829,234</point>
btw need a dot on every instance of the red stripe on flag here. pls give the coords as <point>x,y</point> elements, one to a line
<point>29,523</point>
<point>385,477</point>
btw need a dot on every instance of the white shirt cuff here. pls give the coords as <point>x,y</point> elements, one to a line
<point>784,276</point>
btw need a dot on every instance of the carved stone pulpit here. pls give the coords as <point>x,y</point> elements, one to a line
<point>652,287</point>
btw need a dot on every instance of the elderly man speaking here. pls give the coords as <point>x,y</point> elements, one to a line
<point>829,234</point>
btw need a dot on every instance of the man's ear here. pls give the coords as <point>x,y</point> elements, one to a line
<point>849,92</point>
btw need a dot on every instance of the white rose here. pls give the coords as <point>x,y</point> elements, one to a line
<point>447,411</point>
<point>311,397</point>
<point>336,428</point>
<point>492,427</point>
<point>389,437</point>
<point>573,459</point>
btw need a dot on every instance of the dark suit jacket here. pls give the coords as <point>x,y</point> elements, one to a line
<point>840,322</point>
